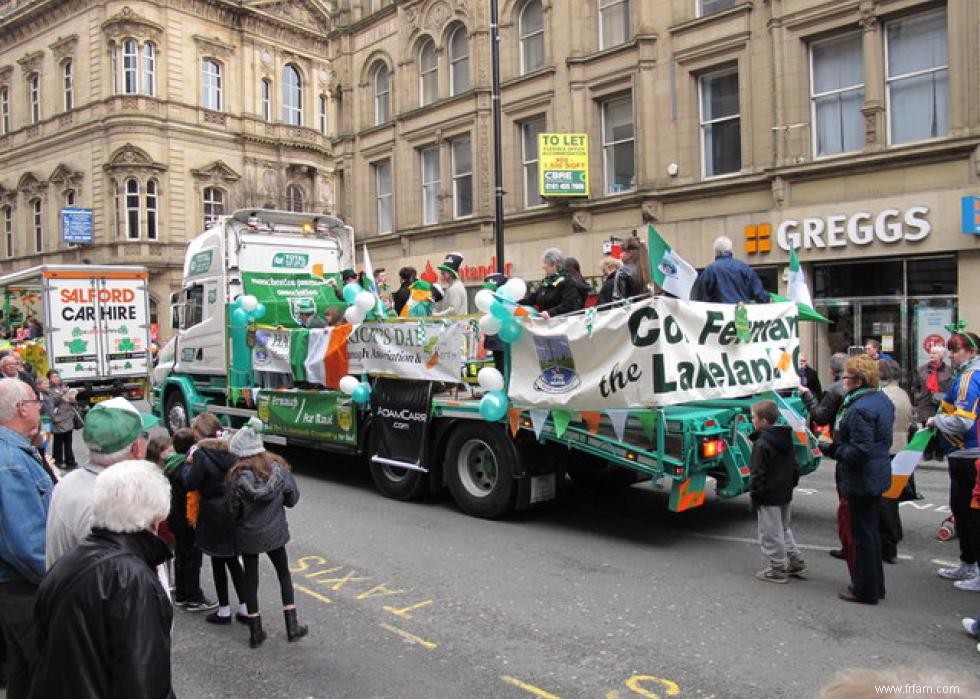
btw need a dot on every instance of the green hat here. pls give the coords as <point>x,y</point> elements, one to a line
<point>114,424</point>
<point>421,285</point>
<point>451,264</point>
<point>305,305</point>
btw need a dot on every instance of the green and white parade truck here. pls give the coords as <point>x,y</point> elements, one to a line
<point>654,390</point>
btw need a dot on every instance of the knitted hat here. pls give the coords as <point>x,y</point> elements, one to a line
<point>246,442</point>
<point>114,424</point>
<point>451,264</point>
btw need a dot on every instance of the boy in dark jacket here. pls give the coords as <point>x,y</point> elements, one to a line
<point>773,477</point>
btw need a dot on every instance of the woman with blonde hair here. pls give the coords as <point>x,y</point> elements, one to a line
<point>861,446</point>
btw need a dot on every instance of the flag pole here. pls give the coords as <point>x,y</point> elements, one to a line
<point>498,167</point>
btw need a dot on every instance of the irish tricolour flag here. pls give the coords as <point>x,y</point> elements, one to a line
<point>670,272</point>
<point>905,461</point>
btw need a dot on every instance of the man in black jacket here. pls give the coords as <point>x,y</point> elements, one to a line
<point>102,615</point>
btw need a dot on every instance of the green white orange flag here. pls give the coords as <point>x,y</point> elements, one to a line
<point>905,461</point>
<point>797,289</point>
<point>670,272</point>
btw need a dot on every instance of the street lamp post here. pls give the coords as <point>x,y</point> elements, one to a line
<point>498,168</point>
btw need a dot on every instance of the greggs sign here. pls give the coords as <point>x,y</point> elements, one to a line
<point>861,228</point>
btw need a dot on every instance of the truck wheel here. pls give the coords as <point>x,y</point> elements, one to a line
<point>598,475</point>
<point>175,415</point>
<point>480,466</point>
<point>397,483</point>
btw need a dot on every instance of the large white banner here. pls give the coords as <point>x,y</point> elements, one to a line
<point>660,351</point>
<point>428,350</point>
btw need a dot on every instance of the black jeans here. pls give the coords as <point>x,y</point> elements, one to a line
<point>868,576</point>
<point>62,451</point>
<point>962,476</point>
<point>20,634</point>
<point>220,568</point>
<point>281,563</point>
<point>187,569</point>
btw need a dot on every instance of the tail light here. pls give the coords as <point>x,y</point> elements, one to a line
<point>710,448</point>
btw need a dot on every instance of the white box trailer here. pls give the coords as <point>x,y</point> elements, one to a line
<point>96,325</point>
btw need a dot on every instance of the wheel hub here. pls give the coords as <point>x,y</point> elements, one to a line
<point>477,468</point>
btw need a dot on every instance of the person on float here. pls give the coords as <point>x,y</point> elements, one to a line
<point>633,277</point>
<point>957,426</point>
<point>609,267</point>
<point>306,310</point>
<point>406,275</point>
<point>861,447</point>
<point>454,301</point>
<point>556,294</point>
<point>573,270</point>
<point>728,279</point>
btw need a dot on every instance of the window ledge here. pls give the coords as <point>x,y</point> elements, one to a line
<point>699,22</point>
<point>603,53</point>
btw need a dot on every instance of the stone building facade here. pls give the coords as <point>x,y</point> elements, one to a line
<point>157,116</point>
<point>848,128</point>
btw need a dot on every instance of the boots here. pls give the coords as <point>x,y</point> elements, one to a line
<point>256,634</point>
<point>294,631</point>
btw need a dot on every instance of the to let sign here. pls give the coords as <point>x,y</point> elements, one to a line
<point>564,164</point>
<point>76,226</point>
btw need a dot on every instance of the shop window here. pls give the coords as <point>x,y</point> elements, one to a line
<point>459,61</point>
<point>932,276</point>
<point>614,23</point>
<point>292,95</point>
<point>918,77</point>
<point>721,133</point>
<point>211,85</point>
<point>769,275</point>
<point>872,278</point>
<point>529,160</point>
<point>384,194</point>
<point>617,144</point>
<point>531,30</point>
<point>462,163</point>
<point>708,7</point>
<point>837,95</point>
<point>382,94</point>
<point>430,184</point>
<point>428,73</point>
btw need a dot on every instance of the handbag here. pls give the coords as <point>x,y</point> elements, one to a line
<point>77,421</point>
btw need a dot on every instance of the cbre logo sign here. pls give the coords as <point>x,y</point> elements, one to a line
<point>861,228</point>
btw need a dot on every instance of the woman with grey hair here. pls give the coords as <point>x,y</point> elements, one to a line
<point>556,294</point>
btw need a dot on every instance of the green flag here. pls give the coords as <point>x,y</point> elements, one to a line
<point>668,269</point>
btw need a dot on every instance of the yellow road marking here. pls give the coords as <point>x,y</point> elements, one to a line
<point>404,611</point>
<point>410,636</point>
<point>529,688</point>
<point>634,684</point>
<point>314,595</point>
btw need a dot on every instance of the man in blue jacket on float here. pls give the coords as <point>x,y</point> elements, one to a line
<point>727,279</point>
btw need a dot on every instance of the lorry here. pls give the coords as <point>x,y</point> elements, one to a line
<point>673,410</point>
<point>95,323</point>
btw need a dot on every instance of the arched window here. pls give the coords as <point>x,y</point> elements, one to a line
<point>294,198</point>
<point>459,61</point>
<point>68,84</point>
<point>531,28</point>
<point>211,85</point>
<point>292,95</point>
<point>382,94</point>
<point>214,204</point>
<point>149,69</point>
<point>152,203</point>
<point>266,98</point>
<point>34,90</point>
<point>129,56</point>
<point>37,224</point>
<point>133,208</point>
<point>428,73</point>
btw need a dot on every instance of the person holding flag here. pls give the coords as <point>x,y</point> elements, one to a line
<point>957,425</point>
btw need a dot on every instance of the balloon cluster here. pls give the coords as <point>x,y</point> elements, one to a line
<point>493,405</point>
<point>359,391</point>
<point>360,303</point>
<point>499,308</point>
<point>244,311</point>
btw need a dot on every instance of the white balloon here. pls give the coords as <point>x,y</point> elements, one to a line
<point>249,302</point>
<point>516,287</point>
<point>483,299</point>
<point>364,301</point>
<point>348,384</point>
<point>490,324</point>
<point>354,315</point>
<point>490,379</point>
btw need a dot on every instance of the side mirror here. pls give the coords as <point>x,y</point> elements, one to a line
<point>174,311</point>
